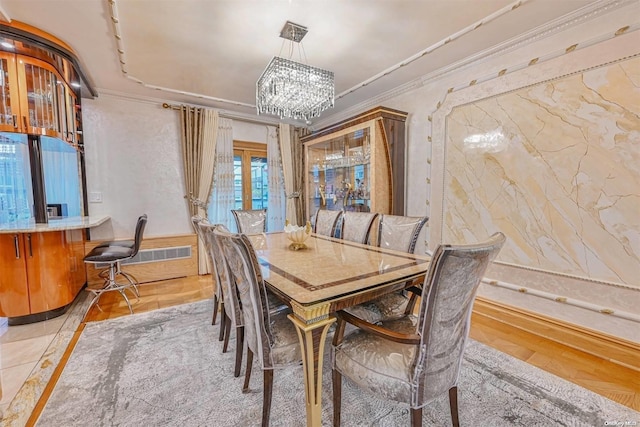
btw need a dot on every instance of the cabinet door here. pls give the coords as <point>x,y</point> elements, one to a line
<point>48,270</point>
<point>67,113</point>
<point>39,97</point>
<point>14,290</point>
<point>76,240</point>
<point>9,99</point>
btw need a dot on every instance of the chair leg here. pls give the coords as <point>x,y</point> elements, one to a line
<point>223,320</point>
<point>247,372</point>
<point>124,295</point>
<point>416,417</point>
<point>227,333</point>
<point>266,397</point>
<point>239,349</point>
<point>134,283</point>
<point>336,377</point>
<point>215,310</point>
<point>453,405</point>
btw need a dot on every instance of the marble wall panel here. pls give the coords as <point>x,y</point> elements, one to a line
<point>556,167</point>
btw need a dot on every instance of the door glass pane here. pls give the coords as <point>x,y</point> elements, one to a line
<point>61,178</point>
<point>237,181</point>
<point>16,195</point>
<point>41,94</point>
<point>259,183</point>
<point>5,95</point>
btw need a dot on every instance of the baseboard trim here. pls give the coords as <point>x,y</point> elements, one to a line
<point>614,349</point>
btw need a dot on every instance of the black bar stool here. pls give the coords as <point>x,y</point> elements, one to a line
<point>113,253</point>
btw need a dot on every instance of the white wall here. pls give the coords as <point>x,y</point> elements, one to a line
<point>133,158</point>
<point>132,151</point>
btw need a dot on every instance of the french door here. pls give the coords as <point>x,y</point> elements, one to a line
<point>250,175</point>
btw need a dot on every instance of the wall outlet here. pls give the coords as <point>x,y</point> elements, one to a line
<point>95,197</point>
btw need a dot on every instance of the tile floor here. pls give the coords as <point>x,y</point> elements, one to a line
<point>21,347</point>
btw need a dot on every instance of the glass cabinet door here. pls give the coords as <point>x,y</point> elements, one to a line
<point>9,100</point>
<point>40,114</point>
<point>339,173</point>
<point>349,169</point>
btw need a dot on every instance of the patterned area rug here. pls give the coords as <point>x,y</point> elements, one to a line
<point>165,368</point>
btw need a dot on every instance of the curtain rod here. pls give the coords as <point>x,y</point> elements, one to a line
<point>268,122</point>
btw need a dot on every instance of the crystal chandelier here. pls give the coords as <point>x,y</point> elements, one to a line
<point>290,89</point>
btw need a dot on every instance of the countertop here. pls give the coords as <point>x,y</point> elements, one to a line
<point>70,223</point>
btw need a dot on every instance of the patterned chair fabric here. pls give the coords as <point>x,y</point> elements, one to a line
<point>252,221</point>
<point>270,335</point>
<point>201,226</point>
<point>326,222</point>
<point>398,233</point>
<point>356,226</point>
<point>418,372</point>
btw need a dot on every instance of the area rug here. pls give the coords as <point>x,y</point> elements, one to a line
<point>165,368</point>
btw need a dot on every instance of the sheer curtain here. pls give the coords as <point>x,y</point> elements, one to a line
<point>222,194</point>
<point>198,127</point>
<point>276,205</point>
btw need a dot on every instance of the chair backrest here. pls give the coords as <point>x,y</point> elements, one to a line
<point>326,222</point>
<point>400,233</point>
<point>445,313</point>
<point>199,225</point>
<point>356,226</point>
<point>225,288</point>
<point>252,221</point>
<point>140,226</point>
<point>245,272</point>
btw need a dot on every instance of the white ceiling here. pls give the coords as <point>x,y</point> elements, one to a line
<point>211,52</point>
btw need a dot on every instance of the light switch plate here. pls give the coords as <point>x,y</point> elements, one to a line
<point>95,197</point>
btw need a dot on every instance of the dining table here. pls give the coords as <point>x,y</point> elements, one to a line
<point>324,276</point>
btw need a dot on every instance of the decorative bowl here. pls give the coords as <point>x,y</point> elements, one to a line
<point>298,235</point>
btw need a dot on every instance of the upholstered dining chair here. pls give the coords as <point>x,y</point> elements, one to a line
<point>416,359</point>
<point>200,225</point>
<point>399,233</point>
<point>230,309</point>
<point>270,336</point>
<point>326,222</point>
<point>356,226</point>
<point>253,221</point>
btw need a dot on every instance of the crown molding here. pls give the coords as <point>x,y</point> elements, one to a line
<point>578,17</point>
<point>149,100</point>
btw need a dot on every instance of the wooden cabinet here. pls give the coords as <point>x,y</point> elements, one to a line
<point>14,291</point>
<point>41,271</point>
<point>357,164</point>
<point>35,99</point>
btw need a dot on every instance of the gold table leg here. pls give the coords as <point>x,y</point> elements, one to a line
<point>312,338</point>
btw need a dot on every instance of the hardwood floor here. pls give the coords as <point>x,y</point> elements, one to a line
<point>611,380</point>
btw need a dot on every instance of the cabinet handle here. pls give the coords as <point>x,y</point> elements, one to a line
<point>15,121</point>
<point>30,247</point>
<point>24,121</point>
<point>16,244</point>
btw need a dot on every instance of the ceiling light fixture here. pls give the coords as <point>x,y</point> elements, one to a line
<point>291,89</point>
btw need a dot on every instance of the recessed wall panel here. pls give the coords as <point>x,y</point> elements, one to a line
<point>556,167</point>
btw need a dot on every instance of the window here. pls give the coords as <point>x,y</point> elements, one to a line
<point>250,175</point>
